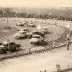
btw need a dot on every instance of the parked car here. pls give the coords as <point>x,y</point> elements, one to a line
<point>35,36</point>
<point>9,46</point>
<point>45,30</point>
<point>22,32</point>
<point>37,40</point>
<point>30,25</point>
<point>2,49</point>
<point>38,32</point>
<point>20,24</point>
<point>24,29</point>
<point>21,35</point>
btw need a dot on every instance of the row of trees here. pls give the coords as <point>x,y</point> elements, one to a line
<point>61,14</point>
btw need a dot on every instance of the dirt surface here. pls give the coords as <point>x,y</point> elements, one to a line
<point>37,62</point>
<point>4,32</point>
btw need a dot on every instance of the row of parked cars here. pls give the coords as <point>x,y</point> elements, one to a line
<point>35,37</point>
<point>38,36</point>
<point>29,24</point>
<point>21,33</point>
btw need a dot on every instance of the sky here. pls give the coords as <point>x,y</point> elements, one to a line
<point>36,3</point>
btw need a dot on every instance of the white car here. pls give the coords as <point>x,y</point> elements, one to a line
<point>38,32</point>
<point>20,24</point>
<point>31,25</point>
<point>36,40</point>
<point>20,36</point>
<point>22,32</point>
<point>45,30</point>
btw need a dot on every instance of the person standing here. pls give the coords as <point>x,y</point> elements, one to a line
<point>68,43</point>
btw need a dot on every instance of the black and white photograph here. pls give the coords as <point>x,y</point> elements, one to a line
<point>35,35</point>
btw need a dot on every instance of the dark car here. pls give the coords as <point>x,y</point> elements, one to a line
<point>9,46</point>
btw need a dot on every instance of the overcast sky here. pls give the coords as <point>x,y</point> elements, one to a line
<point>35,3</point>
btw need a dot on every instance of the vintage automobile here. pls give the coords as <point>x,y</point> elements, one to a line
<point>37,39</point>
<point>21,35</point>
<point>22,32</point>
<point>20,24</point>
<point>9,46</point>
<point>2,49</point>
<point>31,25</point>
<point>45,30</point>
<point>24,29</point>
<point>35,36</point>
<point>36,32</point>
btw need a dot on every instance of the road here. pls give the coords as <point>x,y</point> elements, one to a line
<point>38,62</point>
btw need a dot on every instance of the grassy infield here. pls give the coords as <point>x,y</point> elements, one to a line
<point>27,49</point>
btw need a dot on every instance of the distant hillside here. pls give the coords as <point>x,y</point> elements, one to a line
<point>60,13</point>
